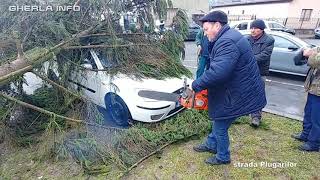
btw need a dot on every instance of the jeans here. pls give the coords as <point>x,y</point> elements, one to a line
<point>201,66</point>
<point>218,139</point>
<point>311,121</point>
<point>258,114</point>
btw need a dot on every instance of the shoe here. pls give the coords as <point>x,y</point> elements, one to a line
<point>214,161</point>
<point>298,137</point>
<point>255,122</point>
<point>307,147</point>
<point>203,148</point>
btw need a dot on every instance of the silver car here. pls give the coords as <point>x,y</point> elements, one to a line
<point>317,33</point>
<point>287,49</point>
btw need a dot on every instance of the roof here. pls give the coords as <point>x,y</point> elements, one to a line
<point>224,3</point>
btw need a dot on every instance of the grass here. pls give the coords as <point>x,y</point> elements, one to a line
<point>270,143</point>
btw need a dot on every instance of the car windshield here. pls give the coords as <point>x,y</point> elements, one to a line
<point>107,59</point>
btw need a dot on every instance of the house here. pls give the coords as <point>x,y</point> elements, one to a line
<point>297,14</point>
<point>193,8</point>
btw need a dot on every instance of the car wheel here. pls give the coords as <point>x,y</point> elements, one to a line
<point>117,109</point>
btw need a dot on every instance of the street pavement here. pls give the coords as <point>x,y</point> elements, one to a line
<point>285,94</point>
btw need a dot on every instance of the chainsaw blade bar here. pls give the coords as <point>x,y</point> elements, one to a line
<point>160,96</point>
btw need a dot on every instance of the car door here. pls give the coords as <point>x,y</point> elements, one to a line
<point>282,58</point>
<point>86,79</point>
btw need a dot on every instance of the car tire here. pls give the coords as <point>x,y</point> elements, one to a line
<point>117,109</point>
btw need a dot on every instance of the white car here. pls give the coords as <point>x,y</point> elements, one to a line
<point>118,95</point>
<point>270,25</point>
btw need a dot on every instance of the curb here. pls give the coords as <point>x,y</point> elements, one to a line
<point>291,116</point>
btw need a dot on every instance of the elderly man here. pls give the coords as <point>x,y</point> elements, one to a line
<point>310,134</point>
<point>233,81</point>
<point>262,46</point>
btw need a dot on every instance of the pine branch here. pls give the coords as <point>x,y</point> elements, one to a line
<point>51,114</point>
<point>30,106</point>
<point>104,46</point>
<point>59,86</point>
<point>149,155</point>
<point>22,65</point>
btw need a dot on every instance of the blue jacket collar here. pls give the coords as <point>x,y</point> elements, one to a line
<point>221,32</point>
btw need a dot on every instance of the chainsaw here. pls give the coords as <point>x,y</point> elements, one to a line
<point>187,98</point>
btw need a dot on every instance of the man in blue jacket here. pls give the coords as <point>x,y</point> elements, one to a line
<point>233,81</point>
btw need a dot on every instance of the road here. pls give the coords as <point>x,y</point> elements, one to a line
<point>285,94</point>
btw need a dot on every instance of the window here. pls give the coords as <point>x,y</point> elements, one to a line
<point>305,14</point>
<point>281,42</point>
<point>88,59</point>
<point>276,25</point>
<point>243,26</point>
<point>107,58</point>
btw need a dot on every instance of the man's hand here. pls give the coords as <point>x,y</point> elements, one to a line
<point>309,52</point>
<point>189,93</point>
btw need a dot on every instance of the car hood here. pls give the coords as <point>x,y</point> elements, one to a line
<point>166,85</point>
<point>128,89</point>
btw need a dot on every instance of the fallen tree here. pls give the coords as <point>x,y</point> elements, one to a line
<point>28,39</point>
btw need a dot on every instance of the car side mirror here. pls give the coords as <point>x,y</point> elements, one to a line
<point>293,48</point>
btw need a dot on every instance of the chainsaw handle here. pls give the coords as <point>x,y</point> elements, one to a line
<point>193,98</point>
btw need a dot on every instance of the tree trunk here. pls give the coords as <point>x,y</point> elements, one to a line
<point>22,65</point>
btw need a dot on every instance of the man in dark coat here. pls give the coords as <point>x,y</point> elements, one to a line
<point>233,81</point>
<point>262,46</point>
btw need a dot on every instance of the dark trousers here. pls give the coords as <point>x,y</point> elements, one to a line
<point>218,139</point>
<point>258,114</point>
<point>311,121</point>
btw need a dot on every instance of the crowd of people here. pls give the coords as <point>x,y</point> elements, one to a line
<point>233,68</point>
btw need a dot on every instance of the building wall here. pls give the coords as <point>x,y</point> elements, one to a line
<point>290,9</point>
<point>296,7</point>
<point>192,6</point>
<point>278,10</point>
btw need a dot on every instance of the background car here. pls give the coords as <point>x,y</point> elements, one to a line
<point>193,30</point>
<point>317,33</point>
<point>270,25</point>
<point>286,49</point>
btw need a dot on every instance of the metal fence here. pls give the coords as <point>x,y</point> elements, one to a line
<point>290,22</point>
